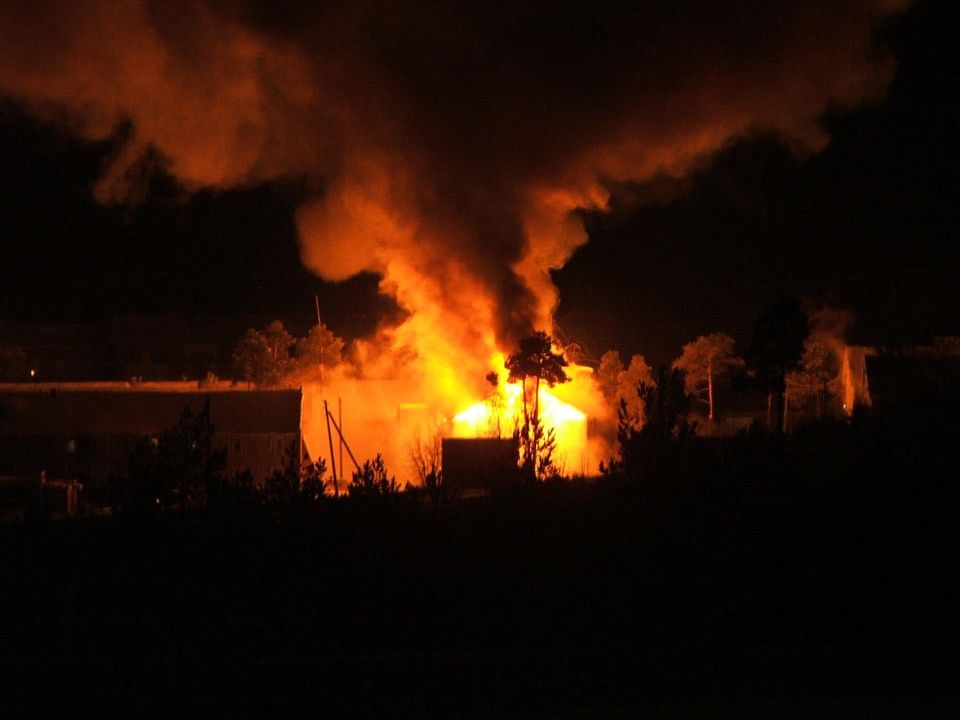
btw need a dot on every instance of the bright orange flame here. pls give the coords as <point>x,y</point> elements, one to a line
<point>502,413</point>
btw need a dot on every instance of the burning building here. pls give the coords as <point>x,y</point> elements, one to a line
<point>450,152</point>
<point>380,416</point>
<point>501,415</point>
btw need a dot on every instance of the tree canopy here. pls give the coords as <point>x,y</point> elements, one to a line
<point>816,378</point>
<point>535,359</point>
<point>702,360</point>
<point>620,385</point>
<point>263,357</point>
<point>320,350</point>
<point>252,358</point>
<point>777,348</point>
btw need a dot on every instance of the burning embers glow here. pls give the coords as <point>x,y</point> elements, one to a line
<point>502,413</point>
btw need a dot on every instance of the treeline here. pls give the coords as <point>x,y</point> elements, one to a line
<point>267,357</point>
<point>794,357</point>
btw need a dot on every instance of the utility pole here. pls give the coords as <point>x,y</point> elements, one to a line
<point>333,460</point>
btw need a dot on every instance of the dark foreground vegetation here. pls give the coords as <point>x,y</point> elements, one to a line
<point>801,576</point>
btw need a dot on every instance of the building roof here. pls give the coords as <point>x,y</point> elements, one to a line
<point>98,409</point>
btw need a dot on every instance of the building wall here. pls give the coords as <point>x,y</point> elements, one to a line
<point>261,454</point>
<point>479,463</point>
<point>89,431</point>
<point>97,458</point>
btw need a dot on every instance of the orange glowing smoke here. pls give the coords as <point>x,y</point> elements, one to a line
<point>449,149</point>
<point>446,148</point>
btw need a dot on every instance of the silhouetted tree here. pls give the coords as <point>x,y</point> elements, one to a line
<point>637,373</point>
<point>299,484</point>
<point>666,404</point>
<point>188,460</point>
<point>495,402</point>
<point>176,468</point>
<point>279,342</point>
<point>425,455</point>
<point>425,458</point>
<point>233,495</point>
<point>702,360</point>
<point>817,377</point>
<point>619,384</point>
<point>252,357</point>
<point>608,374</point>
<point>263,357</point>
<point>535,360</point>
<point>319,351</point>
<point>777,348</point>
<point>819,368</point>
<point>372,480</point>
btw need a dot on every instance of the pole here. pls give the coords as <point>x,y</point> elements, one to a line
<point>340,425</point>
<point>345,443</point>
<point>333,460</point>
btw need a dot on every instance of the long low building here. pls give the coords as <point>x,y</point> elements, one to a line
<point>88,431</point>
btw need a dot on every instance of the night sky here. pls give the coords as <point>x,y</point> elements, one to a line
<point>808,183</point>
<point>870,223</point>
<point>67,258</point>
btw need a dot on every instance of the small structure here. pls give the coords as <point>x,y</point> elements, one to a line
<point>908,375</point>
<point>471,464</point>
<point>503,413</point>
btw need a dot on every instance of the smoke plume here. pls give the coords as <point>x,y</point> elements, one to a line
<point>449,145</point>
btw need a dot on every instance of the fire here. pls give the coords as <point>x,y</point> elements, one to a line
<point>459,201</point>
<point>502,413</point>
<point>416,404</point>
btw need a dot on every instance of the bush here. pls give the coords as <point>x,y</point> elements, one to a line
<point>372,480</point>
